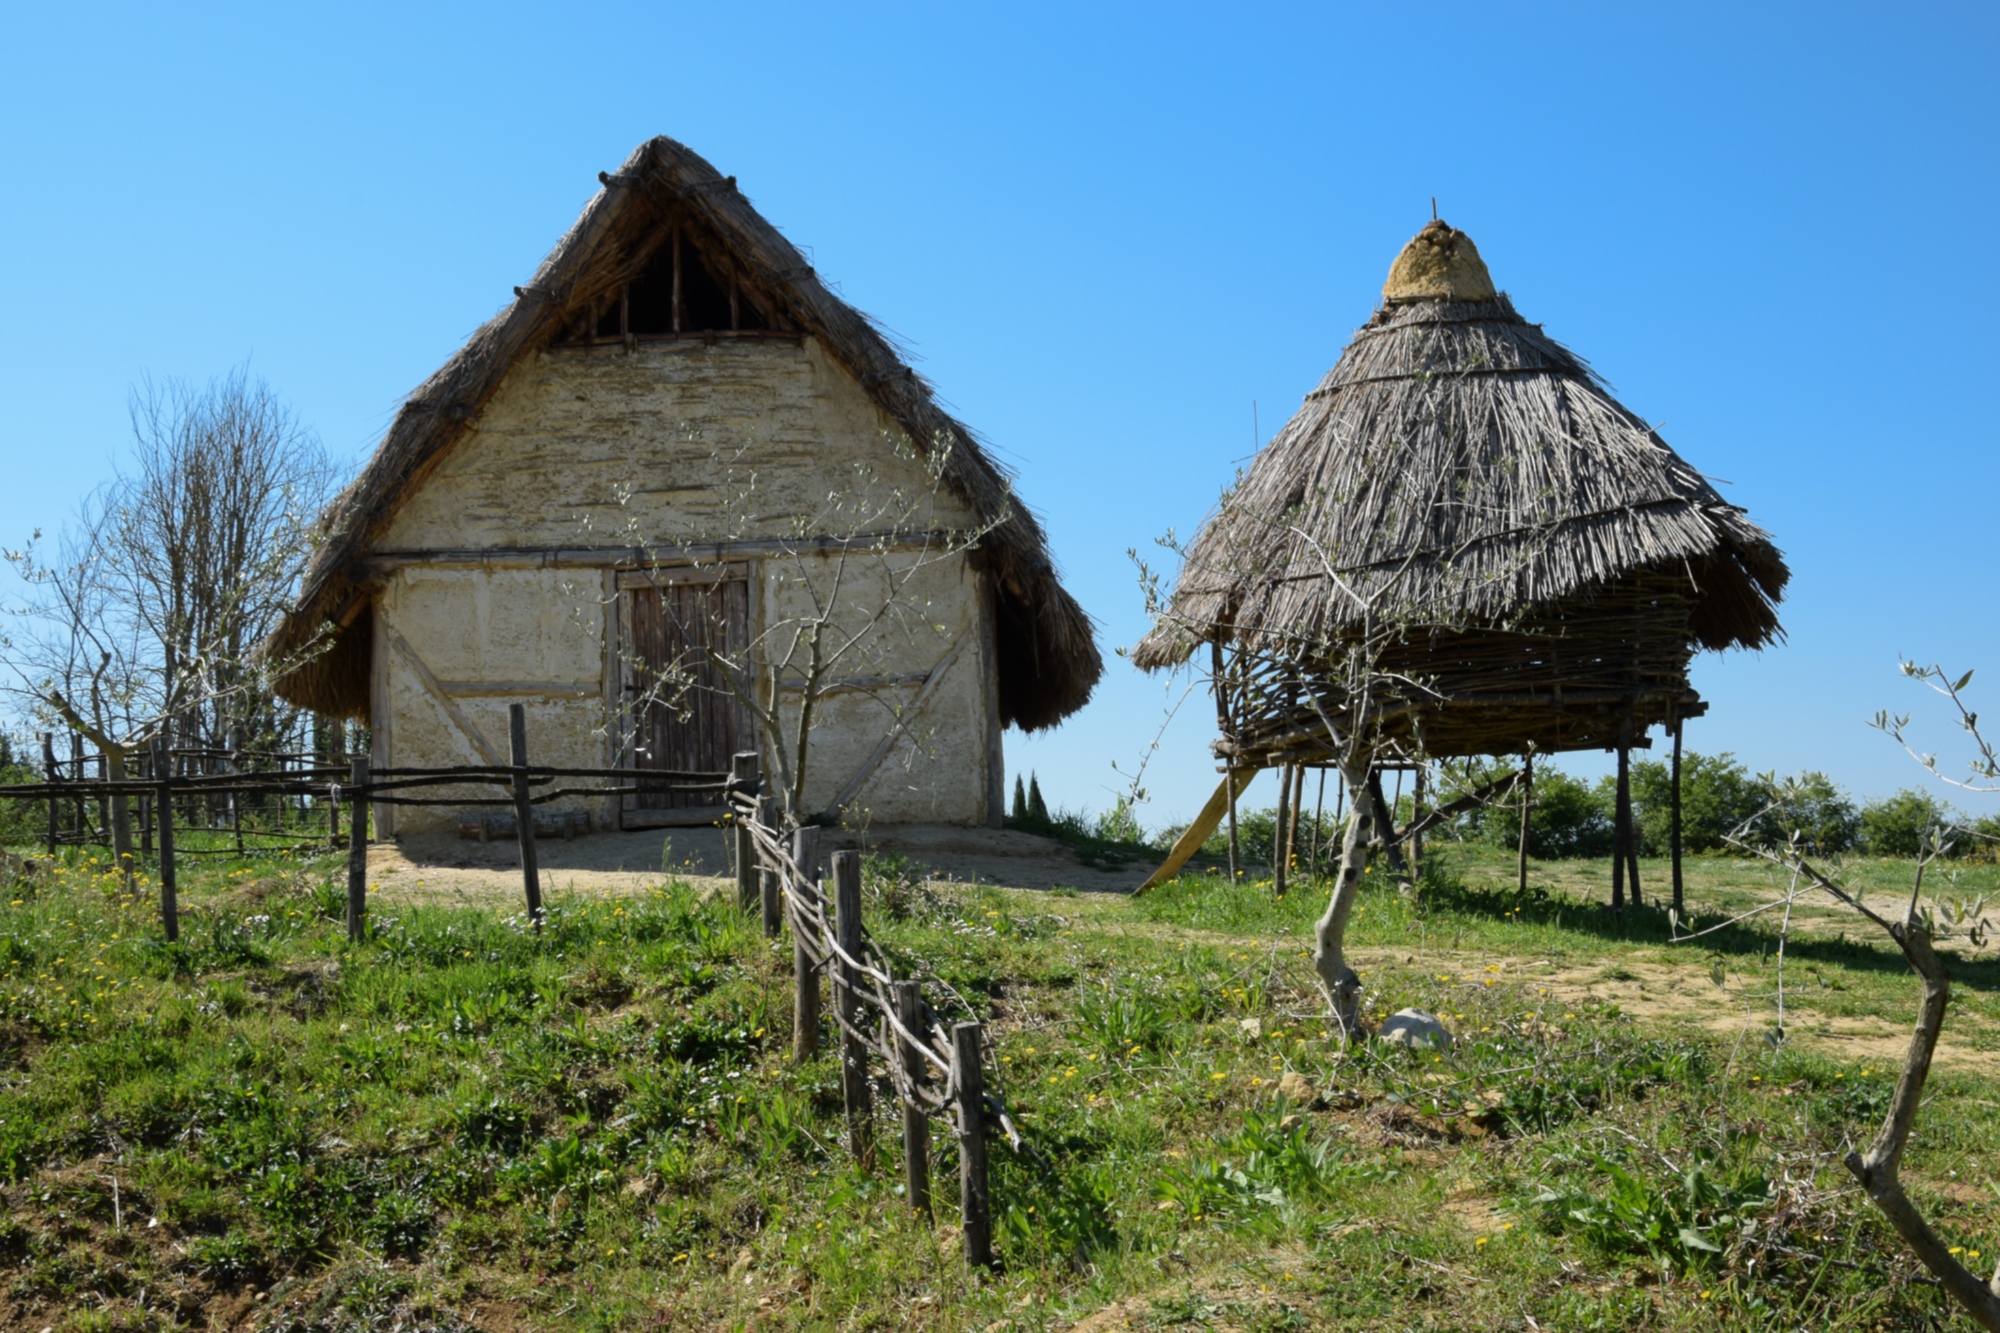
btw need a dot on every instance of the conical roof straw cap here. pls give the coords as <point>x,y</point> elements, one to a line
<point>1439,264</point>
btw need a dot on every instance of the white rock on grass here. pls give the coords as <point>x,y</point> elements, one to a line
<point>1415,1029</point>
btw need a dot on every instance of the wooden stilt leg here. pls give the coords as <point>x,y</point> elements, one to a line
<point>1679,908</point>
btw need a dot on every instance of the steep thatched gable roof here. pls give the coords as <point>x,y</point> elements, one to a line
<point>1048,659</point>
<point>1458,465</point>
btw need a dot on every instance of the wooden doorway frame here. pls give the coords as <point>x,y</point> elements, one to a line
<point>634,581</point>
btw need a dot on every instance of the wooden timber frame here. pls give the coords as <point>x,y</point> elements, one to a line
<point>1596,676</point>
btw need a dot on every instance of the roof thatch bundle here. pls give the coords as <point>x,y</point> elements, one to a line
<point>1546,563</point>
<point>1047,656</point>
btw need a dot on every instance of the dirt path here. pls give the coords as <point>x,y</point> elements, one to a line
<point>430,867</point>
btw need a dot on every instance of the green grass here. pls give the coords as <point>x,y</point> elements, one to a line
<point>461,1125</point>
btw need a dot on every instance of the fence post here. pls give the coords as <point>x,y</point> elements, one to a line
<point>49,776</point>
<point>916,1123</point>
<point>235,796</point>
<point>773,906</point>
<point>170,908</point>
<point>524,811</point>
<point>767,813</point>
<point>83,831</point>
<point>357,855</point>
<point>975,1205</point>
<point>854,1087</point>
<point>743,777</point>
<point>805,977</point>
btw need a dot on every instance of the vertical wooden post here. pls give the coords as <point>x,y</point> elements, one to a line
<point>170,907</point>
<point>773,907</point>
<point>49,776</point>
<point>1417,819</point>
<point>524,811</point>
<point>1229,773</point>
<point>1319,822</point>
<point>357,853</point>
<point>975,1204</point>
<point>847,1002</point>
<point>805,976</point>
<point>1298,809</point>
<point>1385,821</point>
<point>1527,809</point>
<point>1218,683</point>
<point>76,771</point>
<point>805,849</point>
<point>1618,831</point>
<point>744,772</point>
<point>1279,852</point>
<point>1679,908</point>
<point>236,797</point>
<point>144,760</point>
<point>916,1123</point>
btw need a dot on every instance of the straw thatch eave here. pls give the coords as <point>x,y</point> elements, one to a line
<point>1048,658</point>
<point>1458,467</point>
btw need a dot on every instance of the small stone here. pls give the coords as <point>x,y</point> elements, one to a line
<point>1253,1028</point>
<point>1296,1087</point>
<point>1415,1030</point>
<point>1290,1123</point>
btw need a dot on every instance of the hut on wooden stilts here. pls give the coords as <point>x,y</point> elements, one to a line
<point>1520,562</point>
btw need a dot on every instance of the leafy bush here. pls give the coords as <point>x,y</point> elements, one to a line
<point>1895,825</point>
<point>1717,794</point>
<point>1568,819</point>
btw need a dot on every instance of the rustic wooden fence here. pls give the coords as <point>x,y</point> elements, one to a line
<point>936,1071</point>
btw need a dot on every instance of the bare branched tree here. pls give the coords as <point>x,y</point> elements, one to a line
<point>853,599</point>
<point>145,619</point>
<point>1924,921</point>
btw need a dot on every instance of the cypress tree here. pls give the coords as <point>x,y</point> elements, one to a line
<point>1020,798</point>
<point>1037,808</point>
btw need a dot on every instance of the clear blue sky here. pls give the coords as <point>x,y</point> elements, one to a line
<point>1108,231</point>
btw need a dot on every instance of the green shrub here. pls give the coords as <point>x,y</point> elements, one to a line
<point>1896,825</point>
<point>1568,819</point>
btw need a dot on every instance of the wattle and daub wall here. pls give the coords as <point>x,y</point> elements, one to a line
<point>499,576</point>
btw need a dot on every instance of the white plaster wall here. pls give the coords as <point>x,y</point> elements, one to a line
<point>732,442</point>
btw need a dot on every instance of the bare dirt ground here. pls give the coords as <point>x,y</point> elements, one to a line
<point>437,866</point>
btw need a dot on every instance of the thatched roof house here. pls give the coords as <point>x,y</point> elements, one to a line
<point>671,328</point>
<point>1546,563</point>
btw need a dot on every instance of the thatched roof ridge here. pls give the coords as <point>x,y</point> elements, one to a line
<point>1048,657</point>
<point>1457,465</point>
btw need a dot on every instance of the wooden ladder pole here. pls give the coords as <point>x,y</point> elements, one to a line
<point>357,853</point>
<point>805,976</point>
<point>854,1088</point>
<point>916,1123</point>
<point>524,811</point>
<point>170,907</point>
<point>975,1202</point>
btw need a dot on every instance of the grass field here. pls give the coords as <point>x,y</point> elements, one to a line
<point>461,1125</point>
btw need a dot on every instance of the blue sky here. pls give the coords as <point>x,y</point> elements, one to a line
<point>1108,231</point>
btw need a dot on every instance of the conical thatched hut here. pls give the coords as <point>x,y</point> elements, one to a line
<point>1535,565</point>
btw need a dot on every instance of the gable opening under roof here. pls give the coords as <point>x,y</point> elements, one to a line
<point>685,287</point>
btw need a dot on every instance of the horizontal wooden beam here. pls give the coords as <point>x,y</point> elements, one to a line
<point>548,689</point>
<point>387,560</point>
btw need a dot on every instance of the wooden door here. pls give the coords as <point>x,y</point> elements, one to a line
<point>685,716</point>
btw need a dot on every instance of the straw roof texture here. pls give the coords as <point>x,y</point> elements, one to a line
<point>1458,467</point>
<point>1047,656</point>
